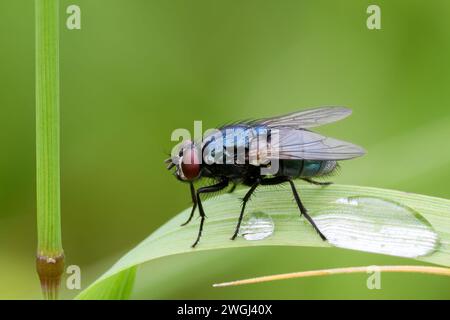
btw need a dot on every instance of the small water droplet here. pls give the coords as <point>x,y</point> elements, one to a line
<point>377,225</point>
<point>256,226</point>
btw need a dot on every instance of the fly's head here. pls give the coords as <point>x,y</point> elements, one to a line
<point>186,162</point>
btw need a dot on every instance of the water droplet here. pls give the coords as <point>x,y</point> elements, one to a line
<point>256,226</point>
<point>377,225</point>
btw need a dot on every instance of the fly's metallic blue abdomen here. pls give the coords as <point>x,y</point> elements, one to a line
<point>305,168</point>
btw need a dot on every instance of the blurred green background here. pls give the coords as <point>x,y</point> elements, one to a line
<point>139,69</point>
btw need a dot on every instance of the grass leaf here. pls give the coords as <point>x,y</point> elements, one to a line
<point>118,287</point>
<point>362,218</point>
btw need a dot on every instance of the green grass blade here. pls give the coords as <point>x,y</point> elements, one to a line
<point>331,206</point>
<point>118,287</point>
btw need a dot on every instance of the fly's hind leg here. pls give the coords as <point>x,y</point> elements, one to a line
<point>303,209</point>
<point>275,181</point>
<point>317,183</point>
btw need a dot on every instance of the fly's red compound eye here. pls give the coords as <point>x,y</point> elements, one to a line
<point>190,165</point>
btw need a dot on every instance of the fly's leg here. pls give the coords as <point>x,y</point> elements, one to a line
<point>317,183</point>
<point>279,180</point>
<point>214,188</point>
<point>244,202</point>
<point>233,187</point>
<point>194,201</point>
<point>269,181</point>
<point>303,209</point>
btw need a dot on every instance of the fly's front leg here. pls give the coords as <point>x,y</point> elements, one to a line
<point>194,206</point>
<point>214,188</point>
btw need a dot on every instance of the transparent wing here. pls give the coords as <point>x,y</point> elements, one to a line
<point>306,118</point>
<point>303,144</point>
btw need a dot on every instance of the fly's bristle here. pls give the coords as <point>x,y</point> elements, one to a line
<point>170,163</point>
<point>170,166</point>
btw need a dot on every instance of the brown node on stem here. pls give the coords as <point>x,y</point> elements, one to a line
<point>50,270</point>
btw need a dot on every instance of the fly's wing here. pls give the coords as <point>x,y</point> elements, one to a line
<point>306,118</point>
<point>286,143</point>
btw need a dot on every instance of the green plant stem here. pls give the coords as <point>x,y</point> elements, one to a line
<point>50,256</point>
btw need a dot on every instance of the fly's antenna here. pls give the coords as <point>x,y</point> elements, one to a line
<point>169,163</point>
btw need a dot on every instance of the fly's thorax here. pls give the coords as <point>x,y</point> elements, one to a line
<point>232,144</point>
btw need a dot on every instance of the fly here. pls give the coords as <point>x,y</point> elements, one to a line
<point>283,146</point>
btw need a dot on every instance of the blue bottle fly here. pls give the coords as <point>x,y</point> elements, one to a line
<point>263,152</point>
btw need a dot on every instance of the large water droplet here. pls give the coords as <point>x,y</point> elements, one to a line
<point>256,226</point>
<point>377,225</point>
